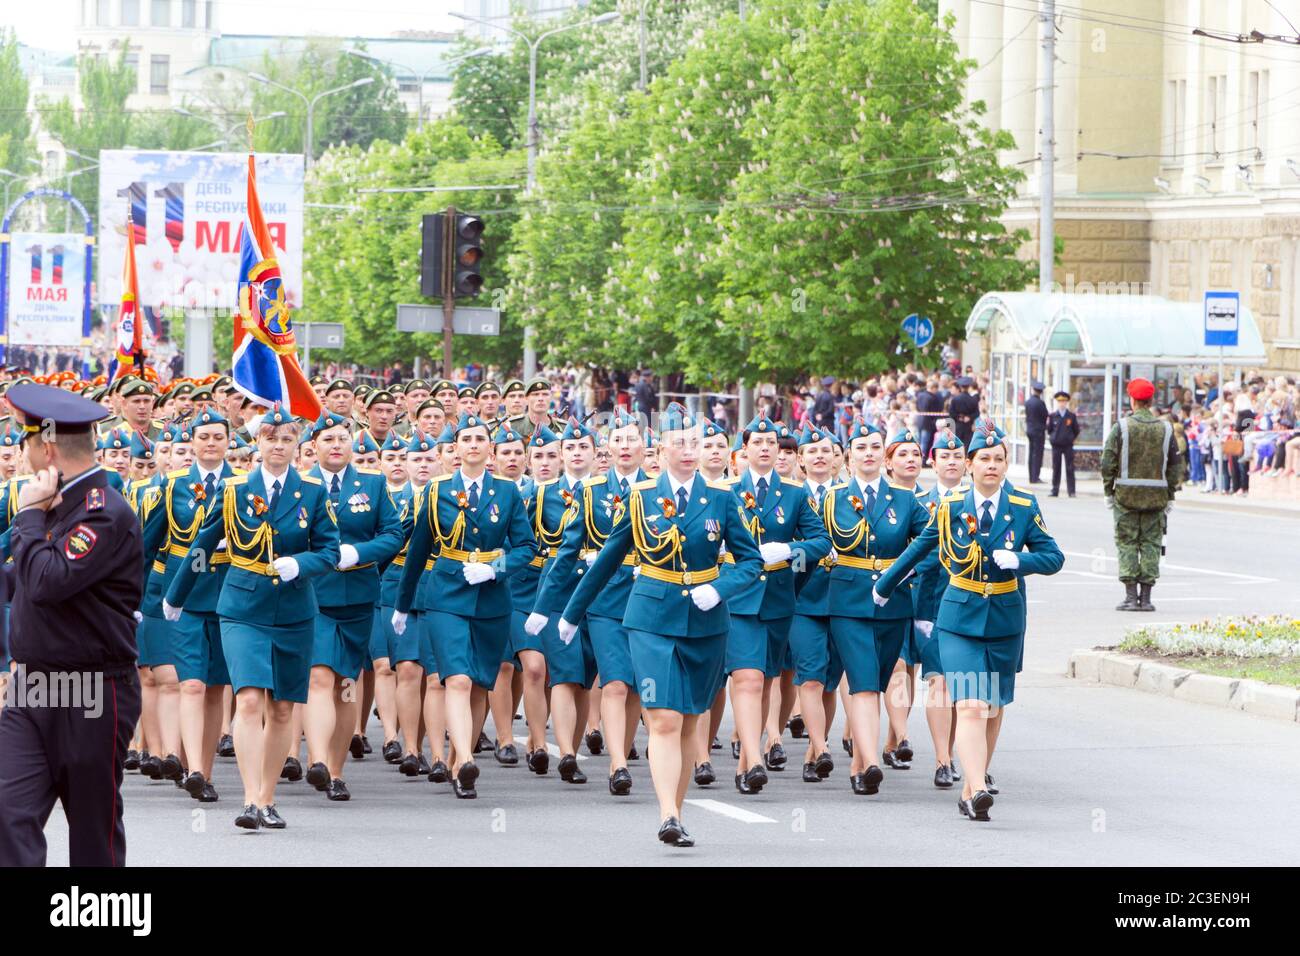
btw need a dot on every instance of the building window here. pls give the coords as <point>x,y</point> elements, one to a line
<point>159,65</point>
<point>161,14</point>
<point>207,14</point>
<point>1254,118</point>
<point>130,13</point>
<point>102,16</point>
<point>133,64</point>
<point>1175,120</point>
<point>189,14</point>
<point>1216,98</point>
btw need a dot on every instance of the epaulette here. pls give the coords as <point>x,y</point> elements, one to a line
<point>718,485</point>
<point>140,483</point>
<point>236,480</point>
<point>729,481</point>
<point>314,481</point>
<point>954,497</point>
<point>643,485</point>
<point>239,471</point>
<point>598,480</point>
<point>899,487</point>
<point>842,484</point>
<point>368,471</point>
<point>545,484</point>
<point>178,473</point>
<point>1017,500</point>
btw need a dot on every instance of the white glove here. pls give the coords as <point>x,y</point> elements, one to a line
<point>140,617</point>
<point>171,613</point>
<point>566,630</point>
<point>535,623</point>
<point>925,627</point>
<point>221,545</point>
<point>399,622</point>
<point>636,570</point>
<point>591,558</point>
<point>775,552</point>
<point>706,597</point>
<point>287,568</point>
<point>879,601</point>
<point>476,572</point>
<point>1006,560</point>
<point>1110,502</point>
<point>347,557</point>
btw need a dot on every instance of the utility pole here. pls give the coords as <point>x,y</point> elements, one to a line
<point>1047,153</point>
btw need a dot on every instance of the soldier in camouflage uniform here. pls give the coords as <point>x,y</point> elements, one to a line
<point>1141,471</point>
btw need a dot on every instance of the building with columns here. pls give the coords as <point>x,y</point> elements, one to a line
<point>1177,168</point>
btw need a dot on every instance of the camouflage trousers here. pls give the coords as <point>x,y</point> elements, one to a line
<point>1137,539</point>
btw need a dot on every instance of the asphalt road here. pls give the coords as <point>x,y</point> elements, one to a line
<point>1089,775</point>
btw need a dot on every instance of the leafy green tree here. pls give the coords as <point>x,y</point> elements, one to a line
<point>16,145</point>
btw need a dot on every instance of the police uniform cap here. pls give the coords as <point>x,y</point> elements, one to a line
<point>1062,394</point>
<point>45,403</point>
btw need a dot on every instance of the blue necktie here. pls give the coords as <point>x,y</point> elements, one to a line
<point>761,487</point>
<point>473,496</point>
<point>821,490</point>
<point>275,495</point>
<point>683,499</point>
<point>209,487</point>
<point>871,498</point>
<point>622,488</point>
<point>986,520</point>
<point>334,489</point>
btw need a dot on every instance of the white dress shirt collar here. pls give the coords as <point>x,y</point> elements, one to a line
<point>688,484</point>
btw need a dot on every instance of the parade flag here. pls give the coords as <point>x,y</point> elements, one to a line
<point>265,363</point>
<point>129,359</point>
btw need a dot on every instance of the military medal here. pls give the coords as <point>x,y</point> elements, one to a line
<point>893,518</point>
<point>712,527</point>
<point>780,515</point>
<point>493,512</point>
<point>1011,540</point>
<point>302,517</point>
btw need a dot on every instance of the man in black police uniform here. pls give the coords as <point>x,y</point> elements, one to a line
<point>1036,431</point>
<point>1063,426</point>
<point>964,407</point>
<point>74,584</point>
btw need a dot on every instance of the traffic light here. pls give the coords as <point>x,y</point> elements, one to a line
<point>432,254</point>
<point>467,279</point>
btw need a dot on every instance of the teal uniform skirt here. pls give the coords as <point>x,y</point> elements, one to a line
<point>927,652</point>
<point>678,673</point>
<point>815,656</point>
<point>385,642</point>
<point>869,649</point>
<point>277,657</point>
<point>467,645</point>
<point>754,644</point>
<point>980,668</point>
<point>342,638</point>
<point>572,663</point>
<point>196,647</point>
<point>153,642</point>
<point>610,645</point>
<point>520,640</point>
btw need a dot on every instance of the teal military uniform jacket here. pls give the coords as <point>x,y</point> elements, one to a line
<point>404,501</point>
<point>499,523</point>
<point>812,584</point>
<point>9,507</point>
<point>555,508</point>
<point>882,532</point>
<point>1017,526</point>
<point>711,520</point>
<point>600,506</point>
<point>523,584</point>
<point>173,516</point>
<point>787,515</point>
<point>301,527</point>
<point>930,580</point>
<point>368,521</point>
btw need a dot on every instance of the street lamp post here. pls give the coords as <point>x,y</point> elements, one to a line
<point>310,103</point>
<point>223,129</point>
<point>530,354</point>
<point>419,93</point>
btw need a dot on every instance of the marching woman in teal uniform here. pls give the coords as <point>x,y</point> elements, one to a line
<point>676,616</point>
<point>902,468</point>
<point>172,517</point>
<point>600,507</point>
<point>370,533</point>
<point>871,523</point>
<point>475,527</point>
<point>279,531</point>
<point>782,521</point>
<point>984,540</point>
<point>570,665</point>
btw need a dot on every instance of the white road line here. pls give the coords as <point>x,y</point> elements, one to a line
<point>1251,578</point>
<point>727,810</point>
<point>1089,574</point>
<point>551,749</point>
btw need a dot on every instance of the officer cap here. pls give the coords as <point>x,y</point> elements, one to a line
<point>1141,390</point>
<point>1062,394</point>
<point>965,382</point>
<point>224,381</point>
<point>202,394</point>
<point>37,404</point>
<point>1037,386</point>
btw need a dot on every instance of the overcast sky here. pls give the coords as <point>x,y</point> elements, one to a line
<point>50,23</point>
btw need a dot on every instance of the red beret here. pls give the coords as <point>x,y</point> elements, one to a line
<point>1141,390</point>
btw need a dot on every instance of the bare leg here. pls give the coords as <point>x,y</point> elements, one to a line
<point>938,714</point>
<point>534,665</point>
<point>618,714</point>
<point>366,691</point>
<point>460,719</point>
<point>320,715</point>
<point>501,703</point>
<point>169,710</point>
<point>898,703</point>
<point>666,758</point>
<point>250,742</point>
<point>686,741</point>
<point>409,676</point>
<point>747,693</point>
<point>279,725</point>
<point>213,704</point>
<point>814,717</point>
<point>972,744</point>
<point>345,707</point>
<point>864,719</point>
<point>386,697</point>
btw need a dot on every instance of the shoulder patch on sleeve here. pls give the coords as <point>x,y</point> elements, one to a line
<point>1018,500</point>
<point>95,498</point>
<point>643,485</point>
<point>80,542</point>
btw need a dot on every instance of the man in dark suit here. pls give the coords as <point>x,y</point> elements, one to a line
<point>823,411</point>
<point>964,407</point>
<point>929,407</point>
<point>1036,431</point>
<point>1063,427</point>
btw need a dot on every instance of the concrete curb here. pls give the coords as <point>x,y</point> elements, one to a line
<point>1100,666</point>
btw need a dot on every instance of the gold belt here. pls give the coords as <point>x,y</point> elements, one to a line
<point>357,567</point>
<point>866,564</point>
<point>780,565</point>
<point>680,577</point>
<point>985,588</point>
<point>470,557</point>
<point>628,559</point>
<point>183,551</point>
<point>257,567</point>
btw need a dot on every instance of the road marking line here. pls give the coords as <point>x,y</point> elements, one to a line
<point>1252,578</point>
<point>551,749</point>
<point>1089,574</point>
<point>727,810</point>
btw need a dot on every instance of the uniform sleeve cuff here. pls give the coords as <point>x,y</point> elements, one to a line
<point>32,518</point>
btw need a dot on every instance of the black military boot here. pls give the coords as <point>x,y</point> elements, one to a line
<point>1130,602</point>
<point>1144,601</point>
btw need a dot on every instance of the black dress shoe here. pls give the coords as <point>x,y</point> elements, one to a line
<point>338,791</point>
<point>356,747</point>
<point>463,782</point>
<point>872,778</point>
<point>194,783</point>
<point>439,772</point>
<point>318,776</point>
<point>483,743</point>
<point>209,794</point>
<point>798,729</point>
<point>685,840</point>
<point>704,774</point>
<point>392,752</point>
<point>620,782</point>
<point>775,758</point>
<point>670,831</point>
<point>226,746</point>
<point>569,771</point>
<point>962,808</point>
<point>132,761</point>
<point>249,818</point>
<point>292,770</point>
<point>170,767</point>
<point>423,768</point>
<point>715,744</point>
<point>270,818</point>
<point>735,750</point>
<point>507,755</point>
<point>410,766</point>
<point>977,807</point>
<point>756,778</point>
<point>858,781</point>
<point>904,751</point>
<point>365,745</point>
<point>595,742</point>
<point>634,754</point>
<point>989,785</point>
<point>890,760</point>
<point>810,773</point>
<point>956,770</point>
<point>825,765</point>
<point>847,745</point>
<point>151,767</point>
<point>943,777</point>
<point>539,761</point>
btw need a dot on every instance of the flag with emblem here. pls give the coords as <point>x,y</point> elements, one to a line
<point>129,357</point>
<point>265,364</point>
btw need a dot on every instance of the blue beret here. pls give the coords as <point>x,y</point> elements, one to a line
<point>419,442</point>
<point>574,430</point>
<point>986,435</point>
<point>946,439</point>
<point>364,444</point>
<point>330,419</point>
<point>209,416</point>
<point>542,435</point>
<point>862,429</point>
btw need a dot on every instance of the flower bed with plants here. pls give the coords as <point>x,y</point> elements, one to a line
<point>1260,648</point>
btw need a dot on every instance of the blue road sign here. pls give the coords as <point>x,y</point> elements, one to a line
<point>1222,318</point>
<point>919,329</point>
